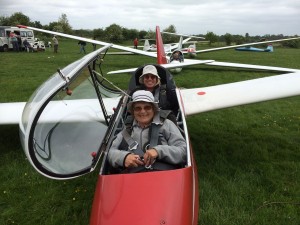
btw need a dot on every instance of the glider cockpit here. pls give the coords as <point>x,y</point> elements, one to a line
<point>123,117</point>
<point>73,117</point>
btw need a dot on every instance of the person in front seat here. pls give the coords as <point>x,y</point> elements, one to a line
<point>152,139</point>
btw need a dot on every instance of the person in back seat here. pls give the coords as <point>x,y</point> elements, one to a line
<point>167,99</point>
<point>151,141</point>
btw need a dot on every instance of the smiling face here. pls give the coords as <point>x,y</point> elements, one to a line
<point>150,81</point>
<point>143,112</point>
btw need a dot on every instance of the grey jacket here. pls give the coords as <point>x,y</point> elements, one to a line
<point>172,149</point>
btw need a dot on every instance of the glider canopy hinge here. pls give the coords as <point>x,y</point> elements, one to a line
<point>64,77</point>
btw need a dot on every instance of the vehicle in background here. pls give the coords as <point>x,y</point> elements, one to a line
<point>23,33</point>
<point>38,45</point>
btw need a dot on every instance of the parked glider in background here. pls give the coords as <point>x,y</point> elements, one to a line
<point>164,60</point>
<point>175,64</point>
<point>153,47</point>
<point>252,49</point>
<point>147,46</point>
<point>191,49</point>
<point>247,46</point>
<point>168,47</point>
<point>70,121</point>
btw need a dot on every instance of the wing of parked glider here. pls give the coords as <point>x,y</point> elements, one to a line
<point>161,56</point>
<point>205,99</point>
<point>244,45</point>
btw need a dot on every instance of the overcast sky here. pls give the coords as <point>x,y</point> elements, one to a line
<point>256,17</point>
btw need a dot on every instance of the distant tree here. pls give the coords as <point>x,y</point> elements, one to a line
<point>19,18</point>
<point>114,33</point>
<point>4,21</point>
<point>228,38</point>
<point>46,27</point>
<point>291,43</point>
<point>15,19</point>
<point>130,34</point>
<point>84,33</point>
<point>211,37</point>
<point>238,39</point>
<point>171,29</point>
<point>58,28</point>
<point>142,34</point>
<point>170,38</point>
<point>266,37</point>
<point>36,24</point>
<point>150,34</point>
<point>51,25</point>
<point>64,24</point>
<point>99,33</point>
<point>55,26</point>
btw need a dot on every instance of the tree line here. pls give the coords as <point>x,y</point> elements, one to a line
<point>114,33</point>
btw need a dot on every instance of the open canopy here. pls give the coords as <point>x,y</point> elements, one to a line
<point>65,121</point>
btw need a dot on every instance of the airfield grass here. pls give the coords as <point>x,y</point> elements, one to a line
<point>248,157</point>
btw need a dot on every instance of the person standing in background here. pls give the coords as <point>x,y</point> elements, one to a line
<point>135,43</point>
<point>82,46</point>
<point>14,41</point>
<point>94,45</point>
<point>55,44</point>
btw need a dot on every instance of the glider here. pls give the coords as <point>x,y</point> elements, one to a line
<point>252,49</point>
<point>176,66</point>
<point>68,124</point>
<point>191,49</point>
<point>168,47</point>
<point>192,52</point>
<point>162,58</point>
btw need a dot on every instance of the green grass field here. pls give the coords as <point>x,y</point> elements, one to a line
<point>248,157</point>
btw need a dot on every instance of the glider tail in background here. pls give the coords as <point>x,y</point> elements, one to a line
<point>180,43</point>
<point>161,55</point>
<point>146,45</point>
<point>270,48</point>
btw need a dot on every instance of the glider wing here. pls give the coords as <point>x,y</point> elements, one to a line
<point>205,99</point>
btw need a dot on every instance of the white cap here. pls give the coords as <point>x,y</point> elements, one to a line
<point>142,96</point>
<point>149,69</point>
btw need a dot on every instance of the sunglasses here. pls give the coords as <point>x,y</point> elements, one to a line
<point>140,108</point>
<point>150,76</point>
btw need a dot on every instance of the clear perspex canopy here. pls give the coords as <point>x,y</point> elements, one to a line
<point>66,119</point>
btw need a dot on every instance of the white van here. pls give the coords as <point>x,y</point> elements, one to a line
<point>24,33</point>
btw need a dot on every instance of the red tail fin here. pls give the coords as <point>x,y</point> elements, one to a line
<point>161,55</point>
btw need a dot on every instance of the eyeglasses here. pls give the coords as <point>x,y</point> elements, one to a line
<point>150,76</point>
<point>140,108</point>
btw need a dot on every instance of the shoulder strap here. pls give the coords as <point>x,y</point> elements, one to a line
<point>164,114</point>
<point>163,86</point>
<point>130,143</point>
<point>156,94</point>
<point>163,98</point>
<point>154,129</point>
<point>153,134</point>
